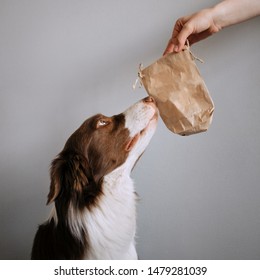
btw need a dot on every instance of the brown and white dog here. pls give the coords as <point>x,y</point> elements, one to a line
<point>94,213</point>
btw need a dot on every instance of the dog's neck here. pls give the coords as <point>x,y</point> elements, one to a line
<point>109,226</point>
<point>114,229</point>
<point>119,176</point>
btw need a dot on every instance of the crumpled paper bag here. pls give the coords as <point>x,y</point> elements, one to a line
<point>182,98</point>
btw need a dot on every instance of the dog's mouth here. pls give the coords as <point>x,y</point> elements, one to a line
<point>153,118</point>
<point>137,136</point>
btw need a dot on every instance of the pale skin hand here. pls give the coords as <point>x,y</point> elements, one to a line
<point>206,22</point>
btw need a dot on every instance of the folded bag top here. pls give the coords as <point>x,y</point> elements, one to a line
<point>182,97</point>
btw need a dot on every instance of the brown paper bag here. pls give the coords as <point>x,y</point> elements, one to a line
<point>180,92</point>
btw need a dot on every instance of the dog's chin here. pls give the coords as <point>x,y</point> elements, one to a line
<point>145,134</point>
<point>152,124</point>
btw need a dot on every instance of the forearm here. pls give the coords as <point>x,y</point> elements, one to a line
<point>230,12</point>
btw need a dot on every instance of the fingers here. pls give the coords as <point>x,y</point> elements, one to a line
<point>195,27</point>
<point>176,44</point>
<point>169,48</point>
<point>181,32</point>
<point>182,37</point>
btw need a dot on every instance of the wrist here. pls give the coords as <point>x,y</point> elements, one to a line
<point>219,16</point>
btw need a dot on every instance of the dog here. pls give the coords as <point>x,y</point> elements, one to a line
<point>94,212</point>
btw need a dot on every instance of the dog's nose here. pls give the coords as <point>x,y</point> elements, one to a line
<point>149,99</point>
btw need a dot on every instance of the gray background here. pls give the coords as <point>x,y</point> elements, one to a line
<point>63,61</point>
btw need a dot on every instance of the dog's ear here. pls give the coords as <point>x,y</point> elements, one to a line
<point>68,176</point>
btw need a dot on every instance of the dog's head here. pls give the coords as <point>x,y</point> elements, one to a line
<point>99,146</point>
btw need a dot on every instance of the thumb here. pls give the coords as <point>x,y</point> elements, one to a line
<point>181,38</point>
<point>169,48</point>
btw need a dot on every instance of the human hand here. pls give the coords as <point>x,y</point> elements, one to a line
<point>194,27</point>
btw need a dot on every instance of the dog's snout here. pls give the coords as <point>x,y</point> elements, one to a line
<point>149,99</point>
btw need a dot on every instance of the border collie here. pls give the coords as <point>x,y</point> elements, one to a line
<point>94,212</point>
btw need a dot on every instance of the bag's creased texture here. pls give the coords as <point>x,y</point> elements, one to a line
<point>180,92</point>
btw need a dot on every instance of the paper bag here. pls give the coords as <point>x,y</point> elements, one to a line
<point>180,92</point>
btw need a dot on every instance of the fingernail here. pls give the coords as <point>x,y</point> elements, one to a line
<point>176,48</point>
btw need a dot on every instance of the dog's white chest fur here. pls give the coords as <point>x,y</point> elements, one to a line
<point>111,225</point>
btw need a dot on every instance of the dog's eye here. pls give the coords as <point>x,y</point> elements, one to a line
<point>102,122</point>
